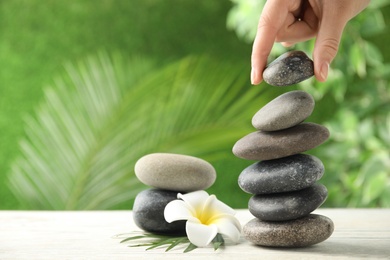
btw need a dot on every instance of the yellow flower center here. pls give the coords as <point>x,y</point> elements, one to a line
<point>205,217</point>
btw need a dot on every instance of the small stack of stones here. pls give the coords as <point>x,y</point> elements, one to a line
<point>284,181</point>
<point>168,174</point>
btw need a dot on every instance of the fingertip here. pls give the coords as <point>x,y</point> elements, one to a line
<point>256,76</point>
<point>322,72</point>
<point>253,76</point>
<point>287,44</point>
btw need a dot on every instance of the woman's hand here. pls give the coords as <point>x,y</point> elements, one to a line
<point>292,21</point>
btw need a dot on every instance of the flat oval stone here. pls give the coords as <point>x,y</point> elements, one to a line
<point>288,205</point>
<point>175,172</point>
<point>263,145</point>
<point>148,212</point>
<point>290,173</point>
<point>287,110</point>
<point>290,68</point>
<point>302,232</point>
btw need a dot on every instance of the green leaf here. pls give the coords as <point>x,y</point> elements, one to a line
<point>169,241</point>
<point>373,55</point>
<point>142,245</point>
<point>162,242</point>
<point>374,187</point>
<point>218,241</point>
<point>177,242</point>
<point>372,24</point>
<point>378,4</point>
<point>358,60</point>
<point>243,15</point>
<point>154,240</point>
<point>143,236</point>
<point>190,248</point>
<point>216,245</point>
<point>132,238</point>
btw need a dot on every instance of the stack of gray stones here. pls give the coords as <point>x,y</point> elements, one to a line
<point>167,175</point>
<point>284,180</point>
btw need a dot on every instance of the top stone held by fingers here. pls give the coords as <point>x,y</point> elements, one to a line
<point>289,69</point>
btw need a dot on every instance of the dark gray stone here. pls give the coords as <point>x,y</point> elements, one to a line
<point>288,205</point>
<point>290,173</point>
<point>175,172</point>
<point>285,111</point>
<point>148,212</point>
<point>302,232</point>
<point>263,145</point>
<point>290,68</point>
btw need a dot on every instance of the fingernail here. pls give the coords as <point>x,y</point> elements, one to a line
<point>324,71</point>
<point>253,76</point>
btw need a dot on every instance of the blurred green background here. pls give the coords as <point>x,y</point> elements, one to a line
<point>88,87</point>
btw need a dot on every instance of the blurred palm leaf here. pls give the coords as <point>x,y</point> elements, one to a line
<point>106,112</point>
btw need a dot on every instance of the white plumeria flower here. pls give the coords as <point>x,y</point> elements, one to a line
<point>206,217</point>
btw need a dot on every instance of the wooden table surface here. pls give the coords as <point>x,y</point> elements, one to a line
<point>359,233</point>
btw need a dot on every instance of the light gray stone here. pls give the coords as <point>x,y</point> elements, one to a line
<point>263,145</point>
<point>287,110</point>
<point>290,173</point>
<point>288,205</point>
<point>302,232</point>
<point>148,212</point>
<point>175,172</point>
<point>290,68</point>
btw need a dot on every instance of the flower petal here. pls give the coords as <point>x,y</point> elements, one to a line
<point>194,199</point>
<point>199,234</point>
<point>229,226</point>
<point>217,207</point>
<point>231,218</point>
<point>177,210</point>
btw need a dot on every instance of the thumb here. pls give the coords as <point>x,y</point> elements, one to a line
<point>327,45</point>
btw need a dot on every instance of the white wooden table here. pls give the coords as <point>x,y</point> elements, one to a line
<point>359,233</point>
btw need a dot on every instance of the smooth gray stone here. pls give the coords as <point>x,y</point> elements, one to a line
<point>175,172</point>
<point>302,232</point>
<point>288,69</point>
<point>148,212</point>
<point>287,110</point>
<point>263,145</point>
<point>290,173</point>
<point>288,205</point>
